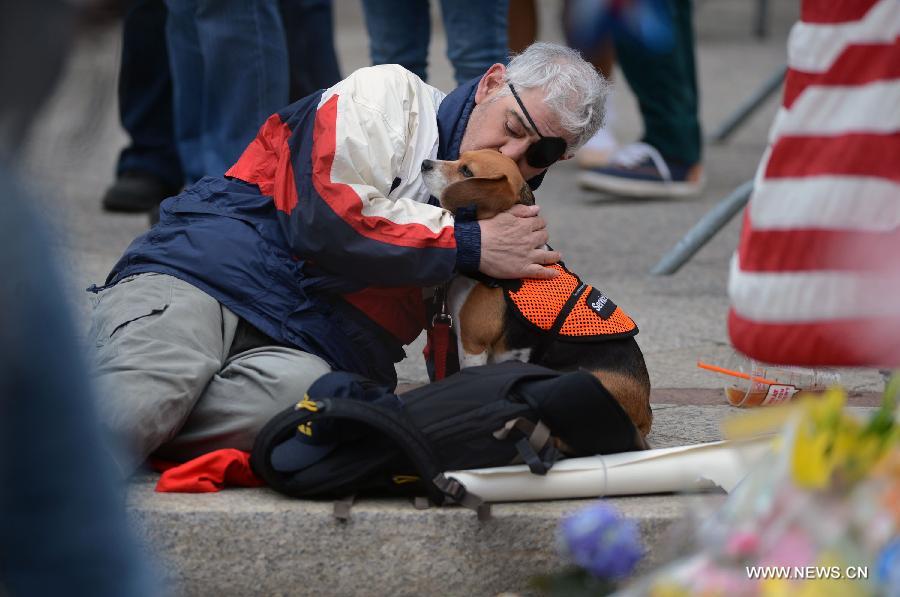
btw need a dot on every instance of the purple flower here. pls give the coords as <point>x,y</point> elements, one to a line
<point>599,540</point>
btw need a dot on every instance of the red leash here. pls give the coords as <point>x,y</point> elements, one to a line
<point>439,334</point>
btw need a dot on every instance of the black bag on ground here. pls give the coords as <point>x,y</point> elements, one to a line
<point>349,435</point>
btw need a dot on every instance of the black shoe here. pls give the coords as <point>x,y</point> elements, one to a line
<point>136,191</point>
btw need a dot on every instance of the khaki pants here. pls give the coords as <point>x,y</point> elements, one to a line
<point>167,383</point>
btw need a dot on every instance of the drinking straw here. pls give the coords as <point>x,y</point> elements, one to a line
<point>718,369</point>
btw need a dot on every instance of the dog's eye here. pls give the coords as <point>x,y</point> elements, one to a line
<point>466,172</point>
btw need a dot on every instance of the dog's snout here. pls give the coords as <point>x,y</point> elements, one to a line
<point>427,165</point>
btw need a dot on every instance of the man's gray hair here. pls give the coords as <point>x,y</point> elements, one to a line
<point>573,89</point>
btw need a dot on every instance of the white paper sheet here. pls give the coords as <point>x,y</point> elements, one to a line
<point>685,468</point>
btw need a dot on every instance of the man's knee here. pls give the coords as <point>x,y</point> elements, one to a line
<point>251,388</point>
<point>276,376</point>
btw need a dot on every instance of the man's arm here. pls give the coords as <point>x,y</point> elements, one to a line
<point>353,206</point>
<point>359,209</point>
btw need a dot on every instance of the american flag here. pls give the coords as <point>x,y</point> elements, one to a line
<point>815,279</point>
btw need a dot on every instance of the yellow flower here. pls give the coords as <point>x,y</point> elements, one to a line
<point>825,411</point>
<point>810,464</point>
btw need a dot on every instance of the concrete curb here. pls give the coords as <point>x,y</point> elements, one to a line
<point>258,542</point>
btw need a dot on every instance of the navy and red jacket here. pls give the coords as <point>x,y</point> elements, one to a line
<point>322,235</point>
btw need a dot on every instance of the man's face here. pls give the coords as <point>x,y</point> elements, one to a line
<point>498,122</point>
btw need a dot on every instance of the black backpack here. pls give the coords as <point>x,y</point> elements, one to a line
<point>350,436</point>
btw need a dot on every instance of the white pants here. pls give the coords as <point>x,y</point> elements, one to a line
<point>167,384</point>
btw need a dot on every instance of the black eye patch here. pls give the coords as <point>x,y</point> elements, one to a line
<point>546,150</point>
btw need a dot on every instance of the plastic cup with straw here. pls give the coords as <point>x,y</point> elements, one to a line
<point>760,384</point>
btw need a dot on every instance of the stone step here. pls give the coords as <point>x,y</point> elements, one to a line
<point>257,542</point>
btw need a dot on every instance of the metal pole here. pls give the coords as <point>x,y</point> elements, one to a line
<point>703,230</point>
<point>742,113</point>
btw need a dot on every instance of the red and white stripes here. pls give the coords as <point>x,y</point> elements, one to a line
<point>816,277</point>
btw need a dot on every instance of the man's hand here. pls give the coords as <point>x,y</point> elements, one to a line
<point>512,245</point>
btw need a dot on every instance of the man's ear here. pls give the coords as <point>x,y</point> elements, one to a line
<point>490,83</point>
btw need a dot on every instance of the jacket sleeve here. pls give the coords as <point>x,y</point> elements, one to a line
<point>350,196</point>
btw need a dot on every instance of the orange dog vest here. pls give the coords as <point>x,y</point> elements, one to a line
<point>568,308</point>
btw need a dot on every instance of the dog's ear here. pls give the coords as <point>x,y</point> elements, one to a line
<point>489,194</point>
<point>526,196</point>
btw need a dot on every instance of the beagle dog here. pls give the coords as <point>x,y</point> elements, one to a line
<point>524,319</point>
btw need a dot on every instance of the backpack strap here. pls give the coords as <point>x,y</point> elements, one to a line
<point>530,448</point>
<point>391,423</point>
<point>459,494</point>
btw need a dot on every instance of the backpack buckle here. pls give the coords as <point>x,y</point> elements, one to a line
<point>459,494</point>
<point>450,487</point>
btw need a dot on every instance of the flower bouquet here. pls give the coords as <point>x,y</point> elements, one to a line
<point>820,517</point>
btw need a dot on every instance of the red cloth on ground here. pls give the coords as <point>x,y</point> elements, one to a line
<point>208,473</point>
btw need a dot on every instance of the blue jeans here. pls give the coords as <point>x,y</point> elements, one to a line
<point>229,63</point>
<point>310,42</point>
<point>145,95</point>
<point>399,32</point>
<point>665,85</point>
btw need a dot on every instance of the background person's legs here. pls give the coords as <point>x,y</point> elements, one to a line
<point>476,35</point>
<point>186,68</point>
<point>251,388</point>
<point>666,163</point>
<point>522,25</point>
<point>149,169</point>
<point>399,31</point>
<point>666,88</point>
<point>245,75</point>
<point>229,65</point>
<point>309,29</point>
